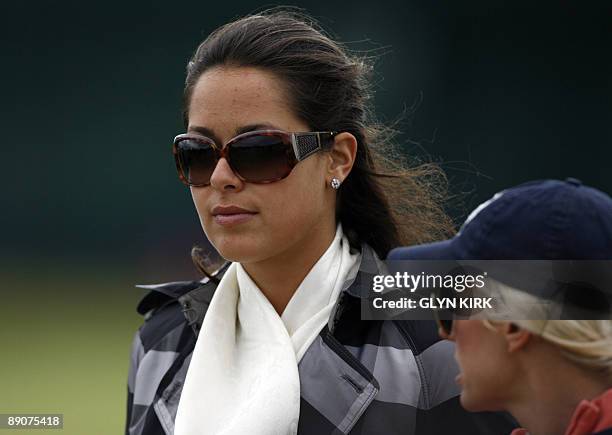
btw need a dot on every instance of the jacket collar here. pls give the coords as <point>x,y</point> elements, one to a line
<point>592,416</point>
<point>589,417</point>
<point>195,296</point>
<point>356,286</point>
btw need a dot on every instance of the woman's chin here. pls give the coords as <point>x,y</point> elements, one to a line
<point>234,255</point>
<point>468,403</point>
<point>474,404</point>
<point>238,252</point>
<point>464,399</point>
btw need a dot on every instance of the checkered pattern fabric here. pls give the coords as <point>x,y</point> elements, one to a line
<point>357,377</point>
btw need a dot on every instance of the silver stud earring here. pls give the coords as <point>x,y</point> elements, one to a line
<point>335,183</point>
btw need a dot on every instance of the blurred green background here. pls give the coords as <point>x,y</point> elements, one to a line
<point>497,92</point>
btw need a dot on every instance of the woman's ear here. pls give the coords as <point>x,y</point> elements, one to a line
<point>515,336</point>
<point>342,156</point>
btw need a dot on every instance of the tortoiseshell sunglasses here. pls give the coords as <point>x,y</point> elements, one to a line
<point>261,156</point>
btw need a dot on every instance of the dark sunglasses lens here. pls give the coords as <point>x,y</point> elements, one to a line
<point>261,158</point>
<point>197,161</point>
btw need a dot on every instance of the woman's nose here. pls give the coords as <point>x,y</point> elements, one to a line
<point>223,178</point>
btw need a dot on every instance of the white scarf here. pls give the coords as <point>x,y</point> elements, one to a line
<point>243,376</point>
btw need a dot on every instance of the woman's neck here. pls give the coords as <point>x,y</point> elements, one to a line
<point>551,390</point>
<point>279,277</point>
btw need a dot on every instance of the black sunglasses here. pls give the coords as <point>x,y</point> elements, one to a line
<point>261,156</point>
<point>446,325</point>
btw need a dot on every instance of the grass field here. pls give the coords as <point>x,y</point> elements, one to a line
<point>65,339</point>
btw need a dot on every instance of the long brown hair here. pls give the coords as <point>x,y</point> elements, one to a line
<point>384,202</point>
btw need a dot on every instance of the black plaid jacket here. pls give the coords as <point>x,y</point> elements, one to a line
<point>358,377</point>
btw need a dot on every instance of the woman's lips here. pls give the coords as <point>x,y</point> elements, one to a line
<point>459,379</point>
<point>227,215</point>
<point>233,219</point>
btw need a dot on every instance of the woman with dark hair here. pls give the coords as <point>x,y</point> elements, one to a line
<point>299,190</point>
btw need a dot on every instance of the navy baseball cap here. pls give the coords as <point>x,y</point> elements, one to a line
<point>538,220</point>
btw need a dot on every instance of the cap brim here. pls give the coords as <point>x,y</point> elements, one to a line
<point>443,250</point>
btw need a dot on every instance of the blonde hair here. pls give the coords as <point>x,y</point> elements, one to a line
<point>587,343</point>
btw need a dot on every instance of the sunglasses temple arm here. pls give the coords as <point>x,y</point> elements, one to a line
<point>306,144</point>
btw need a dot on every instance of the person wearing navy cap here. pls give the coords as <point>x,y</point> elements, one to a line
<point>547,219</point>
<point>553,376</point>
